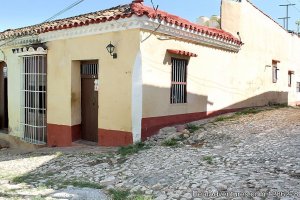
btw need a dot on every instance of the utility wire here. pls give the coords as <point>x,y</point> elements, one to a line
<point>53,17</point>
<point>155,8</point>
<point>298,1</point>
<point>64,10</point>
<point>298,10</point>
<point>294,6</point>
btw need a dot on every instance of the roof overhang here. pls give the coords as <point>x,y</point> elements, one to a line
<point>134,22</point>
<point>181,52</point>
<point>274,61</point>
<point>30,50</point>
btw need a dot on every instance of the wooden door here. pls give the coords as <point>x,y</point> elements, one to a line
<point>89,104</point>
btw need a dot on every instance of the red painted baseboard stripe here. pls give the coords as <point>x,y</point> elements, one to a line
<point>150,126</point>
<point>62,135</point>
<point>113,138</point>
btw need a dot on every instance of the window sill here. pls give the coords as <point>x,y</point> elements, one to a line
<point>178,104</point>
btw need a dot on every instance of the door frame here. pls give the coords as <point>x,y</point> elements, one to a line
<point>91,75</point>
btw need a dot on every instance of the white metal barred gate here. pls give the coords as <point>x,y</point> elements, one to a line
<point>33,99</point>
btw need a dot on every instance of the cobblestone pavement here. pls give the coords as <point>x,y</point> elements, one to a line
<point>247,155</point>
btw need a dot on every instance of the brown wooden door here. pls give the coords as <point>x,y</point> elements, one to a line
<point>3,99</point>
<point>89,110</point>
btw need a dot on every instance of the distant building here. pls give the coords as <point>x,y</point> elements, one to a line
<point>214,21</point>
<point>119,75</point>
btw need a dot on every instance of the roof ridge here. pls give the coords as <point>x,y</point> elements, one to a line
<point>64,19</point>
<point>122,11</point>
<point>139,9</point>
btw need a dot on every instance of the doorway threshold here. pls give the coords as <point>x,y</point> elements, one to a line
<point>84,143</point>
<point>4,131</point>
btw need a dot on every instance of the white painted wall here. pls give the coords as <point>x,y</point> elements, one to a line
<point>264,40</point>
<point>137,98</point>
<point>218,79</point>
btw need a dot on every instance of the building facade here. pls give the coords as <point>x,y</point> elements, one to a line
<point>60,84</point>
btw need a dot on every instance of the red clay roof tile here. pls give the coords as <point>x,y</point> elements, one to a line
<point>181,52</point>
<point>125,11</point>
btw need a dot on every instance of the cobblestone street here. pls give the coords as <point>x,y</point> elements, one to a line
<point>246,155</point>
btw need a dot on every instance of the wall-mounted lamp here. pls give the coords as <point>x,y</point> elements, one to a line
<point>5,71</point>
<point>111,48</point>
<point>238,33</point>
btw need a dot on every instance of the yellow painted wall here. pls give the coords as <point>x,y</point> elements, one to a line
<point>14,65</point>
<point>219,79</point>
<point>2,56</point>
<point>64,94</point>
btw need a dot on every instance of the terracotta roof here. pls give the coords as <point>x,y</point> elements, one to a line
<point>81,20</point>
<point>141,10</point>
<point>181,52</point>
<point>125,11</point>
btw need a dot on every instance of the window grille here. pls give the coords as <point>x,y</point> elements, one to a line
<point>290,74</point>
<point>89,69</point>
<point>298,87</point>
<point>275,73</point>
<point>33,99</point>
<point>179,81</point>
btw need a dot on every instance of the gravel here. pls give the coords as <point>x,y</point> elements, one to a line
<point>253,156</point>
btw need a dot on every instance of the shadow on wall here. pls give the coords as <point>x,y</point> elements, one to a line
<point>184,113</point>
<point>156,102</point>
<point>264,99</point>
<point>48,176</point>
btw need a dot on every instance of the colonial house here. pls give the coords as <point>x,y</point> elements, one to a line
<point>117,76</point>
